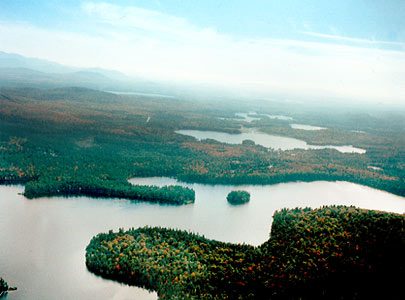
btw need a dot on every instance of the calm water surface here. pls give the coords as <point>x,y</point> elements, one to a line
<point>42,241</point>
<point>141,94</point>
<point>279,117</point>
<point>264,139</point>
<point>306,127</point>
<point>252,116</point>
<point>247,117</point>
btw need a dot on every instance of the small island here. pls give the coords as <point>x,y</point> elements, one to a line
<point>238,197</point>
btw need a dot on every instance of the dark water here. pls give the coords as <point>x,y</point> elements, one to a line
<point>42,241</point>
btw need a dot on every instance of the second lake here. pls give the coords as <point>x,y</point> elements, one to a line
<point>266,140</point>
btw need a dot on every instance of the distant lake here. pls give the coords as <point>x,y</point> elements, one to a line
<point>279,117</point>
<point>306,127</point>
<point>246,117</point>
<point>141,94</point>
<point>43,241</point>
<point>264,139</point>
<point>253,116</point>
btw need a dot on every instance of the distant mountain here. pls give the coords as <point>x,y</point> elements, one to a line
<point>23,77</point>
<point>20,71</point>
<point>110,73</point>
<point>11,60</point>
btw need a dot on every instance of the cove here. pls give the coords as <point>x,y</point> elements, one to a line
<point>43,241</point>
<point>264,139</point>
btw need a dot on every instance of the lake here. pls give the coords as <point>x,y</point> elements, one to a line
<point>264,139</point>
<point>43,241</point>
<point>306,127</point>
<point>253,116</point>
<point>278,117</point>
<point>141,94</point>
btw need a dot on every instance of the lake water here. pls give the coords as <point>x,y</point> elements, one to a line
<point>264,139</point>
<point>279,117</point>
<point>252,116</point>
<point>246,117</point>
<point>141,94</point>
<point>43,241</point>
<point>306,127</point>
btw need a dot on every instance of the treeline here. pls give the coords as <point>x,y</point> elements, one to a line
<point>334,252</point>
<point>110,189</point>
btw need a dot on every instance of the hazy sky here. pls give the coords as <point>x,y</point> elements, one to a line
<point>349,49</point>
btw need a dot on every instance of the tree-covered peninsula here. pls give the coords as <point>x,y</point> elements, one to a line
<point>238,197</point>
<point>333,252</point>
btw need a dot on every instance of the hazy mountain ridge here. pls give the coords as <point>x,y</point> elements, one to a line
<point>20,71</point>
<point>11,60</point>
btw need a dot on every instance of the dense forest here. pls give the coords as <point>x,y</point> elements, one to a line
<point>76,141</point>
<point>333,252</point>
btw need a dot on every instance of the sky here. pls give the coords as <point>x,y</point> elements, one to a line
<point>324,49</point>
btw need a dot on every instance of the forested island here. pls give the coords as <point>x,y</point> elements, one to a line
<point>333,252</point>
<point>238,197</point>
<point>77,141</point>
<point>110,189</point>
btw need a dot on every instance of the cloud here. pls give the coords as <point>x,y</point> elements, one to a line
<point>135,17</point>
<point>145,20</point>
<point>350,39</point>
<point>164,47</point>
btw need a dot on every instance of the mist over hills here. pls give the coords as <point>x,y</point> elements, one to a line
<point>17,71</point>
<point>11,60</point>
<point>20,71</point>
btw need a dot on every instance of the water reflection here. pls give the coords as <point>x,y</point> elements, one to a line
<point>43,241</point>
